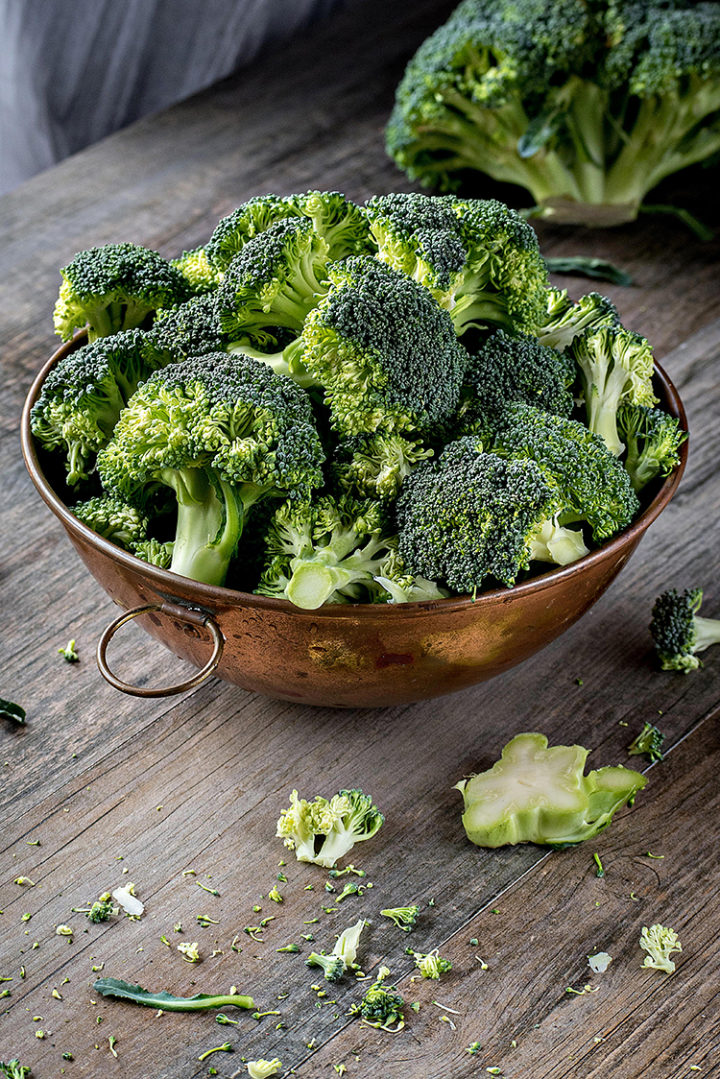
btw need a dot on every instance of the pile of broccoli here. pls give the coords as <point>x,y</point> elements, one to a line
<point>587,104</point>
<point>332,404</point>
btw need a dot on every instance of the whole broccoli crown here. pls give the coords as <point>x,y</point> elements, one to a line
<point>470,515</point>
<point>338,220</point>
<point>384,351</point>
<point>197,271</point>
<point>590,483</point>
<point>231,414</point>
<point>419,235</point>
<point>515,369</point>
<point>116,273</point>
<point>190,329</point>
<point>673,628</point>
<point>114,519</point>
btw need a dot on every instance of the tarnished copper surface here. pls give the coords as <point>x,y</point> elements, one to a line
<point>362,654</point>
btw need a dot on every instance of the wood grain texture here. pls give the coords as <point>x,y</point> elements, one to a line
<point>198,783</point>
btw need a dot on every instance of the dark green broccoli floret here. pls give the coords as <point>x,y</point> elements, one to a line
<point>333,965</point>
<point>653,439</point>
<point>271,285</point>
<point>383,350</point>
<point>585,105</point>
<point>324,552</point>
<point>114,288</point>
<point>615,367</point>
<point>562,320</point>
<point>197,271</point>
<point>648,742</point>
<point>679,632</point>
<point>190,329</point>
<point>113,519</point>
<point>509,370</point>
<point>84,393</point>
<point>590,483</point>
<point>374,466</point>
<point>472,515</point>
<point>222,432</point>
<point>337,220</point>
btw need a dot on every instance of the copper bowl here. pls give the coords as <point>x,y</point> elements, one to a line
<point>345,656</point>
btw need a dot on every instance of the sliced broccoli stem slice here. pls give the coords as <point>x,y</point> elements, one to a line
<point>707,632</point>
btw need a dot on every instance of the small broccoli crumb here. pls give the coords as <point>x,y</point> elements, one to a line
<point>659,942</point>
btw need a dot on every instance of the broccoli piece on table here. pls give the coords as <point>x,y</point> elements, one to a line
<point>615,367</point>
<point>332,965</point>
<point>270,286</point>
<point>430,964</point>
<point>563,320</point>
<point>327,551</point>
<point>13,1069</point>
<point>346,945</point>
<point>84,393</point>
<point>404,918</point>
<point>113,288</point>
<point>659,941</point>
<point>263,1069</point>
<point>114,519</point>
<point>648,742</point>
<point>383,350</point>
<point>653,439</point>
<point>333,827</point>
<point>221,432</point>
<point>679,632</point>
<point>381,1006</point>
<point>537,794</point>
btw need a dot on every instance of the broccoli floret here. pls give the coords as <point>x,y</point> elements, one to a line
<point>84,394</point>
<point>399,586</point>
<point>381,1006</point>
<point>113,519</point>
<point>270,286</point>
<point>374,466</point>
<point>338,221</point>
<point>190,329</point>
<point>586,106</point>
<point>327,551</point>
<point>430,964</point>
<point>590,483</point>
<point>653,439</point>
<point>564,320</point>
<point>536,794</point>
<point>197,271</point>
<point>154,552</point>
<point>648,742</point>
<point>13,1069</point>
<point>472,515</point>
<point>659,941</point>
<point>404,918</point>
<point>383,350</point>
<point>222,432</point>
<point>679,632</point>
<point>615,367</point>
<point>114,288</point>
<point>507,370</point>
<point>332,965</point>
<point>101,910</point>
<point>346,819</point>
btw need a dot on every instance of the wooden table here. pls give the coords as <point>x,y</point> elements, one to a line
<point>100,789</point>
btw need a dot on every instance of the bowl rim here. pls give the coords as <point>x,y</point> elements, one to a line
<point>214,596</point>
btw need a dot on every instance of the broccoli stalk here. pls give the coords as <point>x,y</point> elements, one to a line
<point>679,632</point>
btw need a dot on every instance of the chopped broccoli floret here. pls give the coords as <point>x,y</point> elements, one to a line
<point>346,945</point>
<point>616,367</point>
<point>586,106</point>
<point>404,918</point>
<point>115,288</point>
<point>349,817</point>
<point>679,632</point>
<point>383,350</point>
<point>13,1069</point>
<point>263,1069</point>
<point>653,439</point>
<point>430,964</point>
<point>648,742</point>
<point>403,587</point>
<point>327,551</point>
<point>536,794</point>
<point>83,395</point>
<point>564,320</point>
<point>659,941</point>
<point>101,910</point>
<point>222,432</point>
<point>381,1006</point>
<point>333,965</point>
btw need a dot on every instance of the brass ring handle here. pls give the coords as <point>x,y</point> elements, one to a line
<point>198,618</point>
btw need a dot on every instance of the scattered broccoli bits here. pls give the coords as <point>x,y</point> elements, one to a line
<point>539,794</point>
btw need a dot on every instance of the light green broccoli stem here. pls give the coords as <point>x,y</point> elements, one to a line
<point>707,632</point>
<point>207,528</point>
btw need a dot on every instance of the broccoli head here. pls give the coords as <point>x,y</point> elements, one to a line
<point>653,439</point>
<point>679,632</point>
<point>84,394</point>
<point>197,271</point>
<point>115,287</point>
<point>190,329</point>
<point>221,432</point>
<point>383,350</point>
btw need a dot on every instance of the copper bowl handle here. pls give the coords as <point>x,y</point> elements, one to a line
<point>197,618</point>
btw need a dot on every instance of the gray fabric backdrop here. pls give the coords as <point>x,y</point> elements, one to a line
<point>72,71</point>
